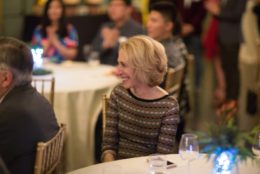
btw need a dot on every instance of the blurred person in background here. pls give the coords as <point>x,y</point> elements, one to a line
<point>164,26</point>
<point>121,26</point>
<point>229,13</point>
<point>211,53</point>
<point>249,66</point>
<point>58,38</point>
<point>142,118</point>
<point>26,117</point>
<point>192,14</point>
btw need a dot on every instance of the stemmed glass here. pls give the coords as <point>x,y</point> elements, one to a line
<point>189,148</point>
<point>256,148</point>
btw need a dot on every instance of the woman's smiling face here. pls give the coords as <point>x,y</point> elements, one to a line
<point>126,71</point>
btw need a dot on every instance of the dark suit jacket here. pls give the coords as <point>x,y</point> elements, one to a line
<point>26,117</point>
<point>230,21</point>
<point>109,56</point>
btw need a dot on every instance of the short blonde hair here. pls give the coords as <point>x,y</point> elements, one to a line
<point>148,58</point>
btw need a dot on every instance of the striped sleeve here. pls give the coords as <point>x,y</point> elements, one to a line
<point>166,141</point>
<point>110,140</point>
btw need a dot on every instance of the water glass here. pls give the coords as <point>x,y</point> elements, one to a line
<point>87,49</point>
<point>93,59</point>
<point>157,164</point>
<point>189,148</point>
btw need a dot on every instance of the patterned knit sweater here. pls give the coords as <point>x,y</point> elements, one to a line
<point>137,127</point>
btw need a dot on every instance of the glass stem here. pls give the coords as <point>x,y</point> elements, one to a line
<point>188,166</point>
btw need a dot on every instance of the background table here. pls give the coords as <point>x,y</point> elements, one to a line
<point>77,103</point>
<point>140,166</point>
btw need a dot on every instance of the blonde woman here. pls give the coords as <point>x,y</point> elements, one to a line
<point>142,118</point>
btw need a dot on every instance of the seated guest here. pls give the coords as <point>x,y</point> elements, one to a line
<point>58,39</point>
<point>119,28</point>
<point>26,117</point>
<point>164,26</point>
<point>142,118</point>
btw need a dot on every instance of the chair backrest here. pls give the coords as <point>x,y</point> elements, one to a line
<point>45,86</point>
<point>173,79</point>
<point>48,154</point>
<point>105,99</point>
<point>190,69</point>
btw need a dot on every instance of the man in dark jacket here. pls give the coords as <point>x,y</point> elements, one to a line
<point>26,117</point>
<point>120,27</point>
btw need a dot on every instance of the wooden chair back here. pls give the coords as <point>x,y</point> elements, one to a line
<point>105,99</point>
<point>190,69</point>
<point>45,86</point>
<point>173,79</point>
<point>48,154</point>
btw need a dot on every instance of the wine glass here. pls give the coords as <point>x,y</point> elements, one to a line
<point>189,148</point>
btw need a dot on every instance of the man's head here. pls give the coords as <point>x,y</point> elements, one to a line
<point>119,10</point>
<point>163,20</point>
<point>16,63</point>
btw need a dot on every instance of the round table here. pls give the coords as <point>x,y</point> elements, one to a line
<point>77,103</point>
<point>140,166</point>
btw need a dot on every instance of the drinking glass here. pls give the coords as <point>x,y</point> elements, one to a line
<point>86,51</point>
<point>93,59</point>
<point>189,148</point>
<point>157,164</point>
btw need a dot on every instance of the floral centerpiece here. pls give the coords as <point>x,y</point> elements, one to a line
<point>226,143</point>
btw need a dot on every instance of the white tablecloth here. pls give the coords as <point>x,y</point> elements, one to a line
<point>140,166</point>
<point>77,103</point>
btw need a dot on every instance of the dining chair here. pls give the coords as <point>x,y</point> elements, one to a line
<point>48,154</point>
<point>105,99</point>
<point>189,68</point>
<point>45,86</point>
<point>174,78</point>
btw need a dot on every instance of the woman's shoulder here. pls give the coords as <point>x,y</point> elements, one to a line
<point>170,101</point>
<point>119,89</point>
<point>120,92</point>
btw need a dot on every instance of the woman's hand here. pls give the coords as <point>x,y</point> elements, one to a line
<point>52,36</point>
<point>66,53</point>
<point>108,157</point>
<point>212,7</point>
<point>110,37</point>
<point>187,29</point>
